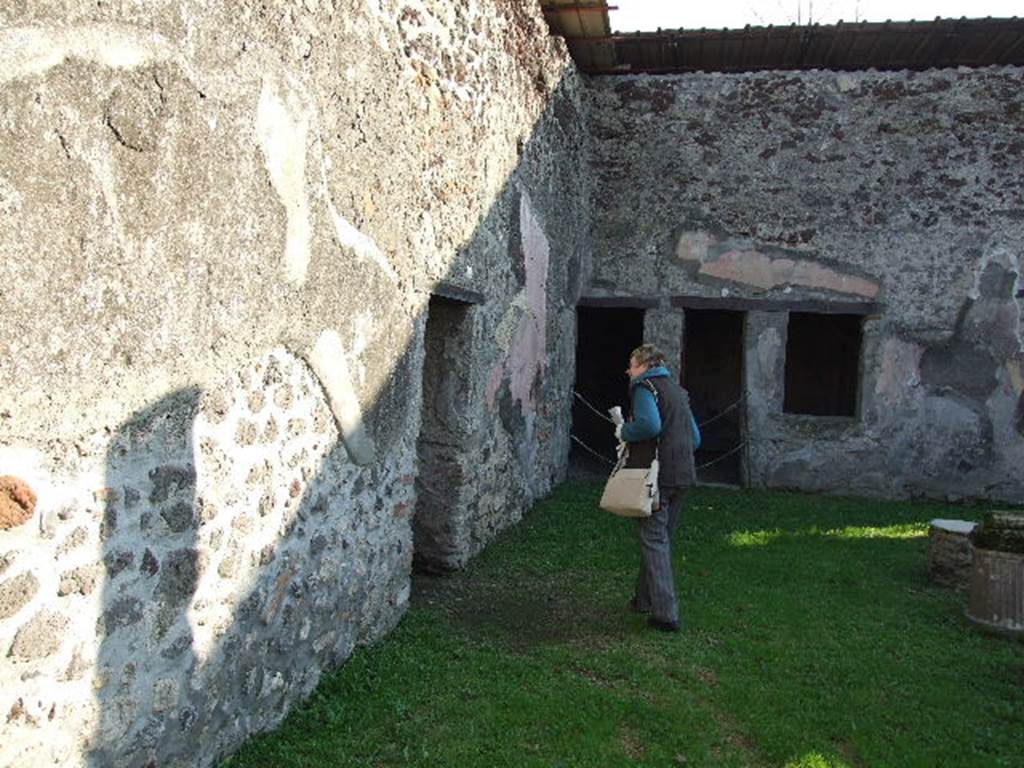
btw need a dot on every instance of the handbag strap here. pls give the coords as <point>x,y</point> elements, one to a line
<point>657,404</point>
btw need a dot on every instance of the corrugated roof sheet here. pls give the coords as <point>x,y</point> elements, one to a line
<point>941,43</point>
<point>581,22</point>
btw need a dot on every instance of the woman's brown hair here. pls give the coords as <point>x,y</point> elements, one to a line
<point>649,355</point>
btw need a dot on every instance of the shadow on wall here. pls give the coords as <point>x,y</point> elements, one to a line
<point>247,546</point>
<point>151,562</point>
<point>205,635</point>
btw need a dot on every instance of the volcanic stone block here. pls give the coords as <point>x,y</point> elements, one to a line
<point>170,480</point>
<point>17,502</point>
<point>179,517</point>
<point>950,551</point>
<point>80,581</point>
<point>15,594</point>
<point>42,636</point>
<point>122,613</point>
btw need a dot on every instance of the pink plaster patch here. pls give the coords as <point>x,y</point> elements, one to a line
<point>527,356</point>
<point>493,382</point>
<point>525,363</point>
<point>755,269</point>
<point>738,267</point>
<point>693,246</point>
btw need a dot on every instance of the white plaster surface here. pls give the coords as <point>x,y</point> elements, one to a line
<point>32,50</point>
<point>327,359</point>
<point>282,126</point>
<point>527,356</point>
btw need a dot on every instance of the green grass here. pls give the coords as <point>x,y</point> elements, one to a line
<point>812,639</point>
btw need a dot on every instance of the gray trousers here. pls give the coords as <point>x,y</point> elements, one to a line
<point>655,586</point>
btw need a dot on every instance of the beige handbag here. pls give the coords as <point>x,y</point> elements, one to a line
<point>631,492</point>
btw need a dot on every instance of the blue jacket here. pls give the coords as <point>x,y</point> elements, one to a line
<point>646,420</point>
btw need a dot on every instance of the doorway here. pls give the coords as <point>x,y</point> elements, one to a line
<point>713,375</point>
<point>604,338</point>
<point>445,431</point>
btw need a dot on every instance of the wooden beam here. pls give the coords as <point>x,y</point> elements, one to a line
<point>578,8</point>
<point>826,62</point>
<point>996,38</point>
<point>885,46</point>
<point>764,48</point>
<point>849,50</point>
<point>926,38</point>
<point>874,43</point>
<point>627,302</point>
<point>457,293</point>
<point>1013,47</point>
<point>819,306</point>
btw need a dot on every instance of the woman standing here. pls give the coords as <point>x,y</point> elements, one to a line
<point>661,424</point>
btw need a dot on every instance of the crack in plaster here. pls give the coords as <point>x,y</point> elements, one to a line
<point>119,136</point>
<point>63,144</point>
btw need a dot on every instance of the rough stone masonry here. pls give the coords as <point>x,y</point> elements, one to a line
<point>225,396</point>
<point>222,224</point>
<point>901,191</point>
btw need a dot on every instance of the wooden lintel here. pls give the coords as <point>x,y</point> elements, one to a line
<point>818,306</point>
<point>624,302</point>
<point>576,8</point>
<point>457,293</point>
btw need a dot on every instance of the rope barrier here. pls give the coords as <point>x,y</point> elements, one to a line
<point>705,465</point>
<point>719,415</point>
<point>590,450</point>
<point>611,463</point>
<point>583,400</point>
<point>704,423</point>
<point>725,455</point>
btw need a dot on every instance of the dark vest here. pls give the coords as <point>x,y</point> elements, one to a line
<point>675,443</point>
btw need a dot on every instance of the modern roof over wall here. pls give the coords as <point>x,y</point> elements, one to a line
<point>941,43</point>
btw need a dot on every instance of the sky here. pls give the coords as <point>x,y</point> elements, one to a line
<point>647,15</point>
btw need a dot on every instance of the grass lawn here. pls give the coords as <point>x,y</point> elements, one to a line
<point>812,639</point>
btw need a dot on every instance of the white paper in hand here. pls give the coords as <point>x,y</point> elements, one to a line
<point>616,414</point>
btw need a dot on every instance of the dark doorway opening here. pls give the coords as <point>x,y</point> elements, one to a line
<point>604,338</point>
<point>713,375</point>
<point>445,431</point>
<point>822,364</point>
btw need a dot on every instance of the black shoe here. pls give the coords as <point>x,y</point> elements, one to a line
<point>633,606</point>
<point>664,626</point>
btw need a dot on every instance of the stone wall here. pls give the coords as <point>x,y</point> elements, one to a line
<point>897,190</point>
<point>222,223</point>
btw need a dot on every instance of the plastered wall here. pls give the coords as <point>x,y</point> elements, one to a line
<point>897,194</point>
<point>221,227</point>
